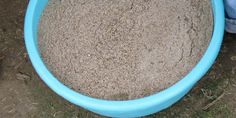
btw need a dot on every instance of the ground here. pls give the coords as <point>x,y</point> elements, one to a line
<point>24,95</point>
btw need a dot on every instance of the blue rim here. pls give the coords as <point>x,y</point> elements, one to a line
<point>131,108</point>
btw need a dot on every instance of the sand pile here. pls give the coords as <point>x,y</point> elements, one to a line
<point>123,49</point>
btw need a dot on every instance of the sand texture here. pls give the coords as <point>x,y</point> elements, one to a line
<point>123,49</point>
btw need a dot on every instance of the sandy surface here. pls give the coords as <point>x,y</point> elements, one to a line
<point>123,49</point>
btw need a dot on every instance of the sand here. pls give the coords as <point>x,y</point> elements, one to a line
<point>123,49</point>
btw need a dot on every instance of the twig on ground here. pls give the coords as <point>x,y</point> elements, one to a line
<point>3,49</point>
<point>22,76</point>
<point>18,65</point>
<point>213,102</point>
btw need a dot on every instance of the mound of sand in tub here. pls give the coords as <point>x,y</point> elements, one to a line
<point>123,49</point>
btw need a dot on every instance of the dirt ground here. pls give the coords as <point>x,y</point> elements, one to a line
<point>24,95</point>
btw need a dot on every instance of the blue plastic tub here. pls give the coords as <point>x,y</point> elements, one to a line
<point>131,108</point>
